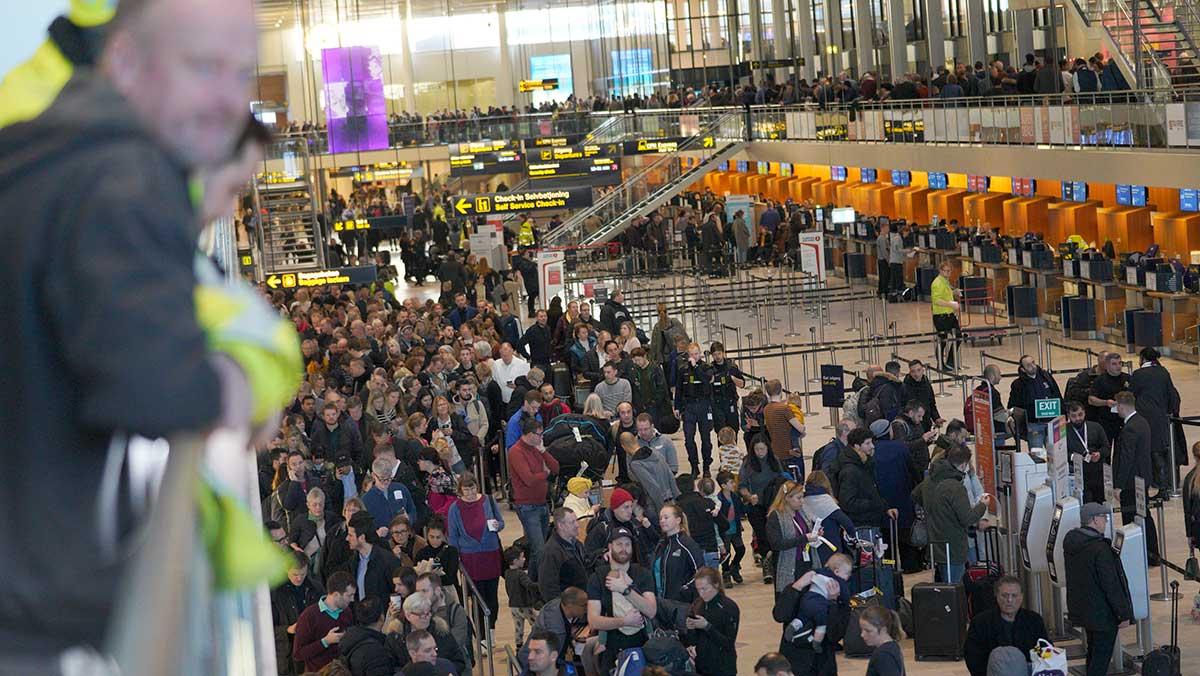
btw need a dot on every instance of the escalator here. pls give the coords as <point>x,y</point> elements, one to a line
<point>286,204</point>
<point>652,186</point>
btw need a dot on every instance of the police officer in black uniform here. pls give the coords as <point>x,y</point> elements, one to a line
<point>693,404</point>
<point>726,379</point>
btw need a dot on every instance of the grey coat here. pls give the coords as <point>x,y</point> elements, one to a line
<point>650,470</point>
<point>785,539</point>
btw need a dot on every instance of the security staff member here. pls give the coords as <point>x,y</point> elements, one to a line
<point>726,379</point>
<point>693,403</point>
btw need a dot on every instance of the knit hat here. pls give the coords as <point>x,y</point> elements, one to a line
<point>579,485</point>
<point>619,497</point>
<point>880,428</point>
<point>1007,661</point>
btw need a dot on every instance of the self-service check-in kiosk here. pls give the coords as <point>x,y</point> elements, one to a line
<point>1129,542</point>
<point>1035,532</point>
<point>1065,520</point>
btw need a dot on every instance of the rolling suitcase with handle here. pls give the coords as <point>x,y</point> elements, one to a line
<point>1165,660</point>
<point>979,580</point>
<point>941,613</point>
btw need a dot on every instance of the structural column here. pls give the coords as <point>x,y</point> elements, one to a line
<point>935,34</point>
<point>833,34</point>
<point>408,71</point>
<point>863,35</point>
<point>976,32</point>
<point>897,39</point>
<point>1022,35</point>
<point>806,39</point>
<point>506,86</point>
<point>783,39</point>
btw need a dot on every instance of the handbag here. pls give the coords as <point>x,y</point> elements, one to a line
<point>919,536</point>
<point>1047,660</point>
<point>1191,569</point>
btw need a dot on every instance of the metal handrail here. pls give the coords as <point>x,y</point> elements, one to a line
<point>481,607</point>
<point>155,623</point>
<point>575,223</point>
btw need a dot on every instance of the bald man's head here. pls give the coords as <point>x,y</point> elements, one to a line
<point>186,67</point>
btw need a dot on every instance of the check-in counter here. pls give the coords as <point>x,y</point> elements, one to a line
<point>986,208</point>
<point>912,204</point>
<point>1064,219</point>
<point>1128,228</point>
<point>1025,214</point>
<point>947,205</point>
<point>1176,232</point>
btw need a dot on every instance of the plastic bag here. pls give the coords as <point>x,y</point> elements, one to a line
<point>1048,660</point>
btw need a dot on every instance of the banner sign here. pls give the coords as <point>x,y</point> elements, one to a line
<point>523,200</point>
<point>363,274</point>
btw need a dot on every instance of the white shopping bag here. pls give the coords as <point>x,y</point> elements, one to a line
<point>1048,660</point>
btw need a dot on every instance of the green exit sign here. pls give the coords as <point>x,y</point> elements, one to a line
<point>1047,408</point>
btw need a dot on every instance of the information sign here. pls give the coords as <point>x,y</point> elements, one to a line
<point>362,274</point>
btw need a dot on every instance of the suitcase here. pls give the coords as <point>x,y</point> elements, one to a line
<point>979,580</point>
<point>1164,660</point>
<point>942,609</point>
<point>852,643</point>
<point>561,379</point>
<point>873,572</point>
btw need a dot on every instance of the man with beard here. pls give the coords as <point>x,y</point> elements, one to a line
<point>620,599</point>
<point>1087,438</point>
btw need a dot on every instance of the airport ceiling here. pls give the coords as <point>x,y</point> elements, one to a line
<point>285,13</point>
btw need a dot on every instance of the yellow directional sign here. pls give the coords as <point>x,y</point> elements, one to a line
<point>362,274</point>
<point>708,142</point>
<point>524,200</point>
<point>544,85</point>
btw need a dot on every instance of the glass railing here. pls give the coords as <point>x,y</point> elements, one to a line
<point>1146,112</point>
<point>716,128</point>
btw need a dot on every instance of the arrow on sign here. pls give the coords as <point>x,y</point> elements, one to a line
<point>462,206</point>
<point>708,141</point>
<point>273,281</point>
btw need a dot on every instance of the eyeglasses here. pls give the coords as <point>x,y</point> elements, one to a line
<point>400,532</point>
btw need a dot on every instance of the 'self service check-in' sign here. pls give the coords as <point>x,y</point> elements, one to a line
<point>523,200</point>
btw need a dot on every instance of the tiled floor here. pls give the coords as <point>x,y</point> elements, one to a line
<point>759,633</point>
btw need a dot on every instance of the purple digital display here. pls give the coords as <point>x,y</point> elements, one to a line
<point>355,109</point>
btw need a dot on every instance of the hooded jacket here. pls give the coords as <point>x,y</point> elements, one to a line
<point>103,343</point>
<point>612,315</point>
<point>649,469</point>
<point>948,510</point>
<point>1097,591</point>
<point>366,652</point>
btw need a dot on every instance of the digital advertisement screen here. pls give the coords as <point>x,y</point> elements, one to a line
<point>785,169</point>
<point>552,67</point>
<point>869,175</point>
<point>764,168</point>
<point>1189,199</point>
<point>743,166</point>
<point>901,177</point>
<point>1123,198</point>
<point>1024,187</point>
<point>938,180</point>
<point>837,173</point>
<point>355,107</point>
<point>1079,191</point>
<point>633,71</point>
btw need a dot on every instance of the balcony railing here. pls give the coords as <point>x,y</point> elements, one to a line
<point>1130,118</point>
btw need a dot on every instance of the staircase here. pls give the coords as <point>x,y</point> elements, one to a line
<point>651,187</point>
<point>1159,33</point>
<point>288,233</point>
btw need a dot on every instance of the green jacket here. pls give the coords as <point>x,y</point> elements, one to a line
<point>649,387</point>
<point>948,511</point>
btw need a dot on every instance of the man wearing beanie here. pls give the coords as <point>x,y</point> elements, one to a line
<point>622,512</point>
<point>1097,592</point>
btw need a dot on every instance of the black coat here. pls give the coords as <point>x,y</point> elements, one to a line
<point>612,315</point>
<point>857,492</point>
<point>367,653</point>
<point>562,565</point>
<point>922,391</point>
<point>1093,472</point>
<point>1156,399</point>
<point>984,636</point>
<point>536,344</point>
<point>1025,390</point>
<point>1131,454</point>
<point>702,525</point>
<point>378,580</point>
<point>716,646</point>
<point>1097,592</point>
<point>285,611</point>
